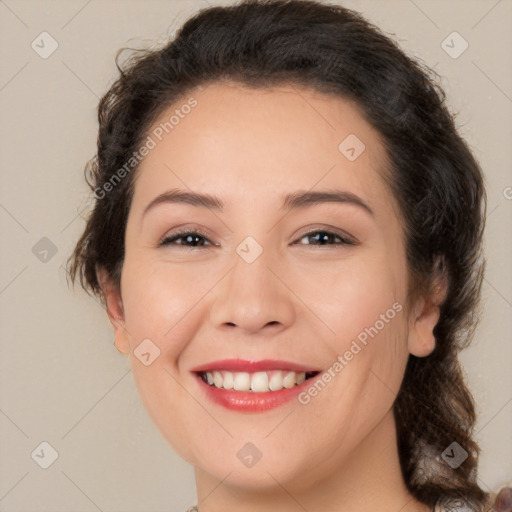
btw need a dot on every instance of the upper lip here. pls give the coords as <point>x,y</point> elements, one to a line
<point>243,365</point>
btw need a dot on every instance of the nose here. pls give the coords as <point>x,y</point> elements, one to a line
<point>253,296</point>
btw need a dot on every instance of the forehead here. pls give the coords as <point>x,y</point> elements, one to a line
<point>248,143</point>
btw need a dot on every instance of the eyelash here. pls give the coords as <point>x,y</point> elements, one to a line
<point>169,240</point>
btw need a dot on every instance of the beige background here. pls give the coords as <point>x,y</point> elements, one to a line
<point>62,380</point>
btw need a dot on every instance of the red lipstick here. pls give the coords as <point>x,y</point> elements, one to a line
<point>243,365</point>
<point>251,401</point>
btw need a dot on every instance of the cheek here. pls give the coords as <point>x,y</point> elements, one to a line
<point>363,305</point>
<point>368,369</point>
<point>158,297</point>
<point>354,294</point>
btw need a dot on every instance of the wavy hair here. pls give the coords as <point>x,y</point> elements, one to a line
<point>431,171</point>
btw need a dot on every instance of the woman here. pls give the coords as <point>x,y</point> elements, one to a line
<point>287,237</point>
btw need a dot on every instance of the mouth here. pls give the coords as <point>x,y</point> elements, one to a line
<point>256,382</point>
<point>252,386</point>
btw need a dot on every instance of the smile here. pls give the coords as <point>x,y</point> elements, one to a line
<point>260,382</point>
<point>249,386</point>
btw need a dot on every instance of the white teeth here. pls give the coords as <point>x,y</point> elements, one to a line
<point>242,381</point>
<point>276,381</point>
<point>217,379</point>
<point>289,380</point>
<point>228,382</point>
<point>260,382</point>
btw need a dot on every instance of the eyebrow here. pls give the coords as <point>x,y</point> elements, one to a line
<point>293,201</point>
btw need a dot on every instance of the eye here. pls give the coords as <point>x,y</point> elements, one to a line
<point>323,237</point>
<point>198,238</point>
<point>192,237</point>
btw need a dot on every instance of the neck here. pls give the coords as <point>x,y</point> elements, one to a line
<point>369,479</point>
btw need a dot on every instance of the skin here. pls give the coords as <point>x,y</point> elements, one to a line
<point>297,301</point>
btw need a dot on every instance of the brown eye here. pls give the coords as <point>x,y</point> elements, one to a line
<point>189,238</point>
<point>322,237</point>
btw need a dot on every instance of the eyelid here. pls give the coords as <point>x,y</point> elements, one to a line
<point>330,229</point>
<point>182,231</point>
<point>346,239</point>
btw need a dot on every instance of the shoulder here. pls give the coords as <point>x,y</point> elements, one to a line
<point>452,505</point>
<point>500,501</point>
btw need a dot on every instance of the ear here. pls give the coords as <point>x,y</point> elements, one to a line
<point>115,310</point>
<point>425,315</point>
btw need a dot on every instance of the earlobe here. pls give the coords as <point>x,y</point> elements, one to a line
<point>115,310</point>
<point>422,341</point>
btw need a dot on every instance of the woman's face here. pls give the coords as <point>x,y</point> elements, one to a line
<point>311,285</point>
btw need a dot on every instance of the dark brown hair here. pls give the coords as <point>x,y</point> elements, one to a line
<point>435,178</point>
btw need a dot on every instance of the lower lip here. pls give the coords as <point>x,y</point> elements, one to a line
<point>251,401</point>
